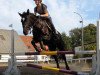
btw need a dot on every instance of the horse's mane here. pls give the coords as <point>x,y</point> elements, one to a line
<point>39,17</point>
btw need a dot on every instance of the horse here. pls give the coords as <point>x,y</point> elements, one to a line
<point>43,34</point>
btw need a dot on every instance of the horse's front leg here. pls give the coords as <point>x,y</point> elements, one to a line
<point>42,45</point>
<point>35,46</point>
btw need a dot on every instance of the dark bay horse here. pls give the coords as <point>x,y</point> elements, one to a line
<point>43,34</point>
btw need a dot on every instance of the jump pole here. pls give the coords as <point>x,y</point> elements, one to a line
<point>52,69</point>
<point>96,58</point>
<point>12,67</point>
<point>98,49</point>
<point>55,52</point>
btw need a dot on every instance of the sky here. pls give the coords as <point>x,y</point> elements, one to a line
<point>61,11</point>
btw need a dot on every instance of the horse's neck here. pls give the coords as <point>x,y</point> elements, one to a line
<point>33,18</point>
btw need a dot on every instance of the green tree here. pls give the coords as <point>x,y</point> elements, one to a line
<point>67,41</point>
<point>75,35</point>
<point>90,37</point>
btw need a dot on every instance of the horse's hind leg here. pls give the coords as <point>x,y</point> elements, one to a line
<point>61,47</point>
<point>64,58</point>
<point>56,59</point>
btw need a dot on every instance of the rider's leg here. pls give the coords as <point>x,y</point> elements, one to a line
<point>52,25</point>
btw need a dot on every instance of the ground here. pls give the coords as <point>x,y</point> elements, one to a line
<point>33,71</point>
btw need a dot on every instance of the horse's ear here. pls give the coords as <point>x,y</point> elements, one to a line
<point>20,14</point>
<point>28,11</point>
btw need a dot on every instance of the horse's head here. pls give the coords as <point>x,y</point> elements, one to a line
<point>27,20</point>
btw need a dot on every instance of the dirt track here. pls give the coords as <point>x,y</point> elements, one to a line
<point>33,71</point>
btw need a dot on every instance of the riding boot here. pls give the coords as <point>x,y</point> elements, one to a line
<point>52,25</point>
<point>53,29</point>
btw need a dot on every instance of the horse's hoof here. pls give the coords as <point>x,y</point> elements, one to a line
<point>68,68</point>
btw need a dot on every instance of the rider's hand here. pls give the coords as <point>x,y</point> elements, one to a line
<point>37,14</point>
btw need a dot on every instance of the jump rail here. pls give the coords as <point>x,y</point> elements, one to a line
<point>52,69</point>
<point>56,52</point>
<point>53,52</point>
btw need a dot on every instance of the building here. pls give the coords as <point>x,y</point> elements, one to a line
<point>6,45</point>
<point>27,41</point>
<point>21,44</point>
<point>5,42</point>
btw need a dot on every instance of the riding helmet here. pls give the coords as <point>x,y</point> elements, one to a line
<point>38,0</point>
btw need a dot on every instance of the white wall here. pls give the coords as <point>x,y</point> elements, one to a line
<point>4,58</point>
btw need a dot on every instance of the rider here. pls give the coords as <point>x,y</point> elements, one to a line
<point>41,9</point>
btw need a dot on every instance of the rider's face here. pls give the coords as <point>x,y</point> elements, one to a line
<point>37,2</point>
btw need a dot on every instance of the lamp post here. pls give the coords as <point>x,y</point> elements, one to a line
<point>82,30</point>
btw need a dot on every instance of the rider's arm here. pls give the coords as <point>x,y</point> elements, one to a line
<point>35,11</point>
<point>46,14</point>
